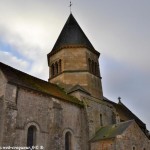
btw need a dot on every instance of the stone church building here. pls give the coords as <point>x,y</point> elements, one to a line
<point>69,112</point>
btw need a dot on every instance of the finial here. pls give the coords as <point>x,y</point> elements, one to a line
<point>119,98</point>
<point>70,6</point>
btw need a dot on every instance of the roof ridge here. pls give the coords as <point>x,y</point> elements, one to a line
<point>19,71</point>
<point>131,112</point>
<point>125,113</point>
<point>22,79</point>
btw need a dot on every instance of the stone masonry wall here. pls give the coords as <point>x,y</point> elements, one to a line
<point>51,117</point>
<point>33,109</point>
<point>94,107</point>
<point>2,84</point>
<point>2,94</point>
<point>72,59</point>
<point>105,145</point>
<point>133,137</point>
<point>9,117</point>
<point>73,119</point>
<point>75,70</point>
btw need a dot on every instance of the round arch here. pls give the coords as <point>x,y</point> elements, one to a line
<point>32,130</point>
<point>68,139</point>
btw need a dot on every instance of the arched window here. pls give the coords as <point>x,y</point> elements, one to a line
<point>52,70</point>
<point>113,118</point>
<point>133,148</point>
<point>89,61</point>
<point>56,68</point>
<point>68,141</point>
<point>31,136</point>
<point>59,66</point>
<point>101,120</point>
<point>93,68</point>
<point>98,72</point>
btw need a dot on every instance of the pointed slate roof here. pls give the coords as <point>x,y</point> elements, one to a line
<point>72,36</point>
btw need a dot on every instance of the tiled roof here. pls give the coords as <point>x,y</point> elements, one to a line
<point>27,81</point>
<point>111,131</point>
<point>72,36</point>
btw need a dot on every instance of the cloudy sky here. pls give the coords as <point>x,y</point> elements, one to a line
<point>118,29</point>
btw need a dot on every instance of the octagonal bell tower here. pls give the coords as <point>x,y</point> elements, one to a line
<point>74,61</point>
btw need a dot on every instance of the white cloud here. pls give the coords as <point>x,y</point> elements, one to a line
<point>118,30</point>
<point>31,30</point>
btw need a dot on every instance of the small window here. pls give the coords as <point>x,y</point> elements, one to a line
<point>90,69</point>
<point>52,70</point>
<point>93,67</point>
<point>101,120</point>
<point>113,118</point>
<point>68,141</point>
<point>133,148</point>
<point>56,68</point>
<point>59,66</point>
<point>31,136</point>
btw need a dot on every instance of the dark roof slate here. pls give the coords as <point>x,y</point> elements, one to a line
<point>111,131</point>
<point>25,80</point>
<point>72,36</point>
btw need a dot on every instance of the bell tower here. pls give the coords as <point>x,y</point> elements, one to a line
<point>74,61</point>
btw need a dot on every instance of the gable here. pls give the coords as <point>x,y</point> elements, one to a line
<point>124,137</point>
<point>135,132</point>
<point>133,137</point>
<point>125,114</point>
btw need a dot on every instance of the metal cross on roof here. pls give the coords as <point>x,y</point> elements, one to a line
<point>119,98</point>
<point>70,6</point>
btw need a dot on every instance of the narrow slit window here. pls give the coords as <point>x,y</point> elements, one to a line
<point>133,148</point>
<point>31,136</point>
<point>59,67</point>
<point>68,141</point>
<point>56,68</point>
<point>90,69</point>
<point>52,70</point>
<point>93,67</point>
<point>101,120</point>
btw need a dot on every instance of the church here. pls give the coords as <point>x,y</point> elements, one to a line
<point>69,111</point>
